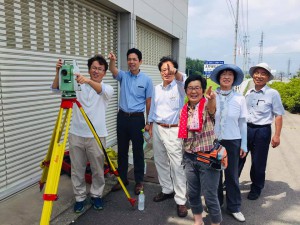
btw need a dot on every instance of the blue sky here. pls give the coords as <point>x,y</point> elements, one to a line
<point>211,31</point>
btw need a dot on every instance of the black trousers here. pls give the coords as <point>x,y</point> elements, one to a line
<point>130,128</point>
<point>258,140</point>
<point>233,193</point>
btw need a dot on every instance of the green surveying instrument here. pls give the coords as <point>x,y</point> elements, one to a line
<point>52,163</point>
<point>67,81</point>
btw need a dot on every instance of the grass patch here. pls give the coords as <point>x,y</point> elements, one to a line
<point>211,83</point>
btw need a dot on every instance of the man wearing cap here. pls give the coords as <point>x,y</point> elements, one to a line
<point>231,131</point>
<point>263,103</point>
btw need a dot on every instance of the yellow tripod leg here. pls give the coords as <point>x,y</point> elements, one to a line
<point>50,193</point>
<point>46,162</point>
<point>131,200</point>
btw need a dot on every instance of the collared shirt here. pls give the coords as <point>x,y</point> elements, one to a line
<point>236,109</point>
<point>95,106</point>
<point>135,89</point>
<point>167,101</point>
<point>263,105</point>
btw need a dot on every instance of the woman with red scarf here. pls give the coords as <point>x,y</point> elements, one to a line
<point>196,128</point>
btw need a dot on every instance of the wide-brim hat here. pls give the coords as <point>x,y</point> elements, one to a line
<point>238,78</point>
<point>263,66</point>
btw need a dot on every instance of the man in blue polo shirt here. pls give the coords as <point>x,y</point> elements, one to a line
<point>135,96</point>
<point>263,104</point>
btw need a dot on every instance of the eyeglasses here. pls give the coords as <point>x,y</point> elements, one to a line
<point>190,88</point>
<point>98,68</point>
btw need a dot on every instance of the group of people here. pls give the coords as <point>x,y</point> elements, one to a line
<point>181,131</point>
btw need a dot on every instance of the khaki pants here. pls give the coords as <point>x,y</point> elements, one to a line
<point>167,148</point>
<point>83,150</point>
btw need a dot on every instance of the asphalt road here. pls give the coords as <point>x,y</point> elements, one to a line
<point>279,203</point>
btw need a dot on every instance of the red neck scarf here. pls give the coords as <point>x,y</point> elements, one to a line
<point>183,132</point>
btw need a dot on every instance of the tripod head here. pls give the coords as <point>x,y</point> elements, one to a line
<point>67,81</point>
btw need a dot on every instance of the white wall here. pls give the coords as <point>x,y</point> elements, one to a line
<point>168,15</point>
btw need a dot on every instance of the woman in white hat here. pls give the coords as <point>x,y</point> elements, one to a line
<point>231,131</point>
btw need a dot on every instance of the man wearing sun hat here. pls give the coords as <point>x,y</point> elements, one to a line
<point>231,130</point>
<point>263,103</point>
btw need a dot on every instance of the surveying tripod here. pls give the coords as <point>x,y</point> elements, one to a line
<point>52,163</point>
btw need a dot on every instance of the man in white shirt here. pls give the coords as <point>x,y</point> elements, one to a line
<point>94,97</point>
<point>166,102</point>
<point>264,105</point>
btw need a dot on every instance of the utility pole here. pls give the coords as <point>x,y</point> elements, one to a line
<point>261,45</point>
<point>245,54</point>
<point>236,31</point>
<point>288,71</point>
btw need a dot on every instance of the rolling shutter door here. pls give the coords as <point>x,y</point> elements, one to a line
<point>153,46</point>
<point>33,35</point>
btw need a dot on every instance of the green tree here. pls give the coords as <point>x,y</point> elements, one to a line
<point>290,94</point>
<point>194,66</point>
<point>298,74</point>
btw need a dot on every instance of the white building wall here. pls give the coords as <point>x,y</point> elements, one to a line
<point>168,15</point>
<point>37,43</point>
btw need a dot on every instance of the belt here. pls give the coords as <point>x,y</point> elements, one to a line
<point>257,126</point>
<point>131,113</point>
<point>167,125</point>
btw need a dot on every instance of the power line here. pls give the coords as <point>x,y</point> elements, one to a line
<point>231,11</point>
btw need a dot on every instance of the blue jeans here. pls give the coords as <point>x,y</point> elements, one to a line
<point>202,179</point>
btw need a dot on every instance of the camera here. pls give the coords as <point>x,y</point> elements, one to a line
<point>67,80</point>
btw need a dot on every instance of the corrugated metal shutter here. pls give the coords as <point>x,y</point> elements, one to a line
<point>33,35</point>
<point>153,45</point>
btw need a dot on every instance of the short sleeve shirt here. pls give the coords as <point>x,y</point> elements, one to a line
<point>263,105</point>
<point>135,89</point>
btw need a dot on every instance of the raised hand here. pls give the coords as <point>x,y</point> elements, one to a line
<point>171,70</point>
<point>210,94</point>
<point>59,64</point>
<point>112,56</point>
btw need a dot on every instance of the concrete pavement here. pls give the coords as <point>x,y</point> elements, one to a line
<point>277,205</point>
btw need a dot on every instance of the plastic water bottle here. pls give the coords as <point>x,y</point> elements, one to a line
<point>146,135</point>
<point>141,203</point>
<point>145,166</point>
